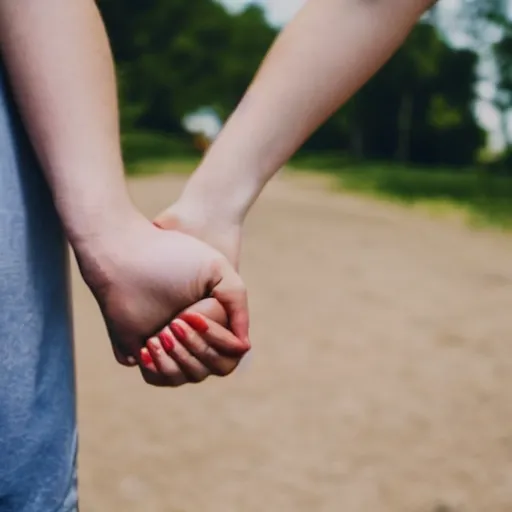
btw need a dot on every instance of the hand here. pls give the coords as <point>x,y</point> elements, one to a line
<point>193,347</point>
<point>224,234</point>
<point>143,276</point>
<point>197,344</point>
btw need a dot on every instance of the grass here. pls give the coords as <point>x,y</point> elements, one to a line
<point>479,197</point>
<point>150,153</point>
<point>160,166</point>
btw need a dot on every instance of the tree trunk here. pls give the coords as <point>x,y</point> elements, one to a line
<point>356,140</point>
<point>403,150</point>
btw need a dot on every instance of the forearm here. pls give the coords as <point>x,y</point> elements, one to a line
<point>61,70</point>
<point>317,63</point>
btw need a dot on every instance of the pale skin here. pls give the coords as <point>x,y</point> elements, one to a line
<point>317,63</point>
<point>325,54</point>
<point>60,66</point>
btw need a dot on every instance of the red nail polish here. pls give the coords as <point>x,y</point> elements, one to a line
<point>166,341</point>
<point>195,321</point>
<point>178,331</point>
<point>145,357</point>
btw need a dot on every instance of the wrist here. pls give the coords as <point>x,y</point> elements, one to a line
<point>100,251</point>
<point>198,215</point>
<point>93,223</point>
<point>220,193</point>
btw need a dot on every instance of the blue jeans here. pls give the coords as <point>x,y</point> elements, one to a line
<point>38,438</point>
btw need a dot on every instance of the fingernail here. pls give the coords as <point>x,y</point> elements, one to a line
<point>195,321</point>
<point>154,343</point>
<point>166,341</point>
<point>145,357</point>
<point>131,360</point>
<point>178,331</point>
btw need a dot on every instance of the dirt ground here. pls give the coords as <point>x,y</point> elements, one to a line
<point>380,380</point>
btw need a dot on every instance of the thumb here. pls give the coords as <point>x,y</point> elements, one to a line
<point>231,292</point>
<point>166,220</point>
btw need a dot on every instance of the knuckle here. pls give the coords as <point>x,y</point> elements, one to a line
<point>239,288</point>
<point>152,379</point>
<point>212,360</point>
<point>197,378</point>
<point>225,369</point>
<point>206,353</point>
<point>159,351</point>
<point>216,268</point>
<point>194,342</point>
<point>173,378</point>
<point>163,379</point>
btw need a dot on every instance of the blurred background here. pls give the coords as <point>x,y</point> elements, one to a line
<point>441,104</point>
<point>378,267</point>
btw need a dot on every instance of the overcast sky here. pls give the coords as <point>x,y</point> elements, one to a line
<point>281,11</point>
<point>278,11</point>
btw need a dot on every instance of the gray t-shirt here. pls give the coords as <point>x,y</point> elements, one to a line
<point>37,390</point>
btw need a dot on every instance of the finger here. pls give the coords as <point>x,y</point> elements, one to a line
<point>158,368</point>
<point>165,221</point>
<point>160,380</point>
<point>212,309</point>
<point>230,291</point>
<point>163,363</point>
<point>194,369</point>
<point>146,361</point>
<point>122,359</point>
<point>214,335</point>
<point>196,344</point>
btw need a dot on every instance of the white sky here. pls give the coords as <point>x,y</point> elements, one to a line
<point>279,12</point>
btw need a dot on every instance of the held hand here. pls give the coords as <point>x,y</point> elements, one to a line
<point>193,347</point>
<point>222,234</point>
<point>197,344</point>
<point>143,276</point>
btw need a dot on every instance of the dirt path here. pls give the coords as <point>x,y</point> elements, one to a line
<point>381,378</point>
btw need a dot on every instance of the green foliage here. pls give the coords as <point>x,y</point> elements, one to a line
<point>418,108</point>
<point>146,147</point>
<point>487,197</point>
<point>443,116</point>
<point>175,56</point>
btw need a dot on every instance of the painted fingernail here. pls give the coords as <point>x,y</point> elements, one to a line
<point>178,331</point>
<point>145,357</point>
<point>153,343</point>
<point>195,321</point>
<point>166,341</point>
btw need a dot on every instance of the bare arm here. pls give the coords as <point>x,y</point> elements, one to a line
<point>59,63</point>
<point>317,63</point>
<point>61,69</point>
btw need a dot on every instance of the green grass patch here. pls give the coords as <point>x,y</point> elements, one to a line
<point>175,166</point>
<point>148,153</point>
<point>482,198</point>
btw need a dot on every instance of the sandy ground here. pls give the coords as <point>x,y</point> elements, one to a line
<point>381,376</point>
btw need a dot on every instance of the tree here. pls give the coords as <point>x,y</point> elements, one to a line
<point>503,95</point>
<point>174,56</point>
